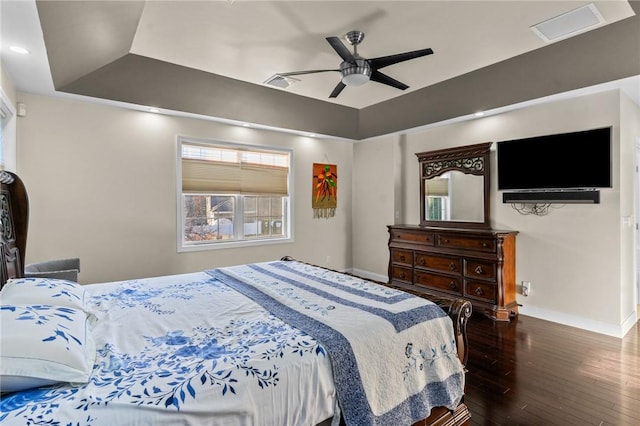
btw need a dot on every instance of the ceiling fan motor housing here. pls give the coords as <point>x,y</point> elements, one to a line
<point>355,74</point>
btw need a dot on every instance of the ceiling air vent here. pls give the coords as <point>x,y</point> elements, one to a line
<point>568,24</point>
<point>278,80</point>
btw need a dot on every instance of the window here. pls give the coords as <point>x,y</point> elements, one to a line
<point>6,114</point>
<point>1,142</point>
<point>232,194</point>
<point>438,208</point>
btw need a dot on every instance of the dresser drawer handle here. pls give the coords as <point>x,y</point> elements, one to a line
<point>479,270</point>
<point>402,258</point>
<point>485,245</point>
<point>421,261</point>
<point>452,285</point>
<point>401,275</point>
<point>445,241</point>
<point>479,291</point>
<point>452,266</point>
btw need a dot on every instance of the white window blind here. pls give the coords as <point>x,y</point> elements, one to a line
<point>437,187</point>
<point>218,169</point>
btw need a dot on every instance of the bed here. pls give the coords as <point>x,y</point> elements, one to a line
<point>272,343</point>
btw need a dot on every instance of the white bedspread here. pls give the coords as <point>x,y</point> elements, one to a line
<point>181,350</point>
<point>393,354</point>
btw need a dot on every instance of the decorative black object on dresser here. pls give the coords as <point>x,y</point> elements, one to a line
<point>476,264</point>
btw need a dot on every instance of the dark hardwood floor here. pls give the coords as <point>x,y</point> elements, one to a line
<point>536,372</point>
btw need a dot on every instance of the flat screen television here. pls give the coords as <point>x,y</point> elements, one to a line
<point>576,160</point>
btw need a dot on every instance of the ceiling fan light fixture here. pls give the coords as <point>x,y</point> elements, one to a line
<point>355,79</point>
<point>355,75</point>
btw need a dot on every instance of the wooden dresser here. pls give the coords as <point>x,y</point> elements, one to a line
<point>476,264</point>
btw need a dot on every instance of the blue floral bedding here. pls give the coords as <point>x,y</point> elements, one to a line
<point>276,343</point>
<point>185,349</point>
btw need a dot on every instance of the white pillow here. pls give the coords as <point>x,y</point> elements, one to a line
<point>44,344</point>
<point>45,291</point>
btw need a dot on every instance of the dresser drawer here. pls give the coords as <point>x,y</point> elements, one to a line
<point>441,263</point>
<point>402,274</point>
<point>480,290</point>
<point>402,256</point>
<point>439,282</point>
<point>427,238</point>
<point>479,269</point>
<point>470,262</point>
<point>467,243</point>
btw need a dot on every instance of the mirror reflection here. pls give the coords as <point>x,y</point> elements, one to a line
<point>454,196</point>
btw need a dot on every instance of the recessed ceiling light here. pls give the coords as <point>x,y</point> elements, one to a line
<point>246,125</point>
<point>153,110</point>
<point>19,49</point>
<point>311,135</point>
<point>479,114</point>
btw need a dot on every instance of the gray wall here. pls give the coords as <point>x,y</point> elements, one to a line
<point>102,186</point>
<point>578,258</point>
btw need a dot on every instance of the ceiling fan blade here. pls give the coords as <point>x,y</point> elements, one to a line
<point>288,74</point>
<point>379,77</point>
<point>337,90</point>
<point>385,61</point>
<point>341,49</point>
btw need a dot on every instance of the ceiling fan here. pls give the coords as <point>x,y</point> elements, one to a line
<point>356,70</point>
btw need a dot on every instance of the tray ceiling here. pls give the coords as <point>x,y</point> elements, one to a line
<point>212,57</point>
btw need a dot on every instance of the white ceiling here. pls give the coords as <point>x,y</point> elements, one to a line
<point>252,40</point>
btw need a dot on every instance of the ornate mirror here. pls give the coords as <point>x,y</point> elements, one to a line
<point>454,187</point>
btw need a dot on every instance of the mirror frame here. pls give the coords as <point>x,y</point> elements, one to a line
<point>470,159</point>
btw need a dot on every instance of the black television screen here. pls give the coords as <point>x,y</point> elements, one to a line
<point>574,160</point>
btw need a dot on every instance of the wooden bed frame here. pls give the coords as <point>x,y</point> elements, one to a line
<point>14,219</point>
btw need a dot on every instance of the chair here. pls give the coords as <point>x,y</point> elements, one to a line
<point>63,269</point>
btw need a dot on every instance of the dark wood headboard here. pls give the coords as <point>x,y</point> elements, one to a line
<point>14,221</point>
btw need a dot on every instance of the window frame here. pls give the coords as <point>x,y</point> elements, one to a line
<point>239,208</point>
<point>7,133</point>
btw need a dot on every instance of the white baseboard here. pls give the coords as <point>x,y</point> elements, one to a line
<point>615,330</point>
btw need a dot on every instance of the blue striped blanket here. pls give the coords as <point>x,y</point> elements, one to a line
<point>393,355</point>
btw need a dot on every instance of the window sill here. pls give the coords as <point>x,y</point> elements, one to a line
<point>232,244</point>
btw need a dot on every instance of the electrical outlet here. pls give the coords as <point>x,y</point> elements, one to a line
<point>526,288</point>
